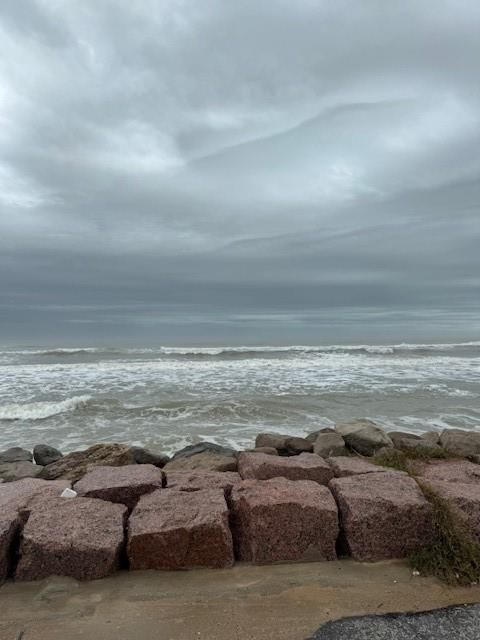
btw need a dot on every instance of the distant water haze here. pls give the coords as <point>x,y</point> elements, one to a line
<point>168,397</point>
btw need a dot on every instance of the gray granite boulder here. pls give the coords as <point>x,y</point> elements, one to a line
<point>11,471</point>
<point>43,454</point>
<point>413,442</point>
<point>364,436</point>
<point>314,435</point>
<point>204,455</point>
<point>329,444</point>
<point>147,456</point>
<point>284,444</point>
<point>15,454</point>
<point>461,443</point>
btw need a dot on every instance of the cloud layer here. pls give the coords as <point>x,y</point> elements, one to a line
<point>182,171</point>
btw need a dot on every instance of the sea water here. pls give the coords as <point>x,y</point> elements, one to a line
<point>168,397</point>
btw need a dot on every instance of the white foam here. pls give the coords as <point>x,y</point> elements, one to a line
<point>40,410</point>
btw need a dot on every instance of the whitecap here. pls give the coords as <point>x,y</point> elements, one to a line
<point>40,410</point>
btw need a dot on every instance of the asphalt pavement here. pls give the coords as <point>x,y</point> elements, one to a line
<point>452,623</point>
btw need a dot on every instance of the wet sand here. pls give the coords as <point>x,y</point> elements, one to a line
<point>263,603</point>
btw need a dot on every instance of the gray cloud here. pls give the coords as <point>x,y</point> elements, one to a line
<point>220,171</point>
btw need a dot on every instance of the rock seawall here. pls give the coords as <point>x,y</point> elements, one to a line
<point>259,508</point>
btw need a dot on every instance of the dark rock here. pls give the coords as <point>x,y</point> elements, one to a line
<point>461,443</point>
<point>314,435</point>
<point>147,456</point>
<point>204,447</point>
<point>306,466</point>
<point>345,466</point>
<point>9,526</point>
<point>124,485</point>
<point>295,445</point>
<point>363,436</point>
<point>329,444</point>
<point>15,454</point>
<point>268,450</point>
<point>410,441</point>
<point>431,436</point>
<point>11,471</point>
<point>75,465</point>
<point>78,537</point>
<point>43,454</point>
<point>180,530</point>
<point>283,521</point>
<point>383,515</point>
<point>272,440</point>
<point>204,455</point>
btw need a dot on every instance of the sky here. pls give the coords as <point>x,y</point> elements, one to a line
<point>276,172</point>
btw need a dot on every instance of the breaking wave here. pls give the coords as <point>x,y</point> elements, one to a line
<point>41,410</point>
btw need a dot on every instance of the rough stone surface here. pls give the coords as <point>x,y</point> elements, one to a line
<point>147,456</point>
<point>203,447</point>
<point>283,521</point>
<point>314,435</point>
<point>208,459</point>
<point>464,498</point>
<point>15,454</point>
<point>344,466</point>
<point>431,436</point>
<point>19,494</point>
<point>404,440</point>
<point>382,515</point>
<point>272,440</point>
<point>329,444</point>
<point>363,436</point>
<point>75,465</point>
<point>180,530</point>
<point>11,471</point>
<point>450,471</point>
<point>268,450</point>
<point>77,537</point>
<point>461,443</point>
<point>9,526</point>
<point>124,485</point>
<point>284,444</point>
<point>43,454</point>
<point>306,466</point>
<point>295,445</point>
<point>197,480</point>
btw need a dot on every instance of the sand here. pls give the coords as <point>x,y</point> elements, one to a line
<point>247,602</point>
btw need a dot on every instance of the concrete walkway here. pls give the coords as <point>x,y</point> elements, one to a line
<point>282,602</point>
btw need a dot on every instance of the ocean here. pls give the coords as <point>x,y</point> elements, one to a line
<point>167,397</point>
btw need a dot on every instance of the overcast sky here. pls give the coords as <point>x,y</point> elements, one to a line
<point>176,171</point>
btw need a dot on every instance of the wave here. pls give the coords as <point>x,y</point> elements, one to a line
<point>41,410</point>
<point>335,348</point>
<point>239,352</point>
